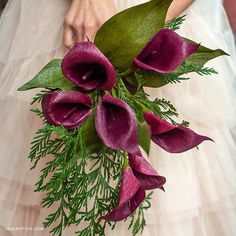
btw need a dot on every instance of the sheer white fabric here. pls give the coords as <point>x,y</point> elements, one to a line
<point>200,197</point>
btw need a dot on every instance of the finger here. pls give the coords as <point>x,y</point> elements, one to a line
<point>68,36</point>
<point>84,16</point>
<point>78,29</point>
<point>83,34</point>
<point>91,32</point>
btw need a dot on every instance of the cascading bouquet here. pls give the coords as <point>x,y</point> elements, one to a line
<point>97,117</point>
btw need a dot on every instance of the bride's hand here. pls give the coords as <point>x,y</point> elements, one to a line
<point>84,19</point>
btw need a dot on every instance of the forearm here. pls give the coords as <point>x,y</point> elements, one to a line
<point>177,7</point>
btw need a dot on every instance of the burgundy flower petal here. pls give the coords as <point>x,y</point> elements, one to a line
<point>88,68</point>
<point>173,139</point>
<point>145,173</point>
<point>164,52</point>
<point>67,108</point>
<point>131,195</point>
<point>116,125</point>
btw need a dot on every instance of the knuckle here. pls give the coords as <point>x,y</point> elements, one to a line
<point>91,26</point>
<point>66,44</point>
<point>77,23</point>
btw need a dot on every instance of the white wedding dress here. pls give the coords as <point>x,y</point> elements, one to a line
<point>200,197</point>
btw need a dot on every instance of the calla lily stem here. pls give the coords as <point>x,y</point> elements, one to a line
<point>125,73</point>
<point>126,161</point>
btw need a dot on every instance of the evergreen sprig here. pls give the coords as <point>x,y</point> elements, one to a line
<point>39,96</point>
<point>57,187</point>
<point>100,194</point>
<point>175,23</point>
<point>185,68</point>
<point>206,71</point>
<point>39,145</point>
<point>169,112</point>
<point>201,70</point>
<point>81,183</point>
<point>172,78</point>
<point>38,112</point>
<point>42,144</point>
<point>140,100</point>
<point>137,219</point>
<point>122,93</point>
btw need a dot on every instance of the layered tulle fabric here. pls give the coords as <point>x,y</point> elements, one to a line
<point>200,192</point>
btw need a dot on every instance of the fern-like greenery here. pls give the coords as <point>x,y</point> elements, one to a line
<point>175,23</point>
<point>84,186</point>
<point>159,107</point>
<point>137,219</point>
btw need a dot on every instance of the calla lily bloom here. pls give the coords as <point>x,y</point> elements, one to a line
<point>116,125</point>
<point>67,108</point>
<point>131,195</point>
<point>164,52</point>
<point>173,139</point>
<point>88,68</point>
<point>145,173</point>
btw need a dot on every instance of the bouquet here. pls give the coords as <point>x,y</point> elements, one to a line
<point>98,121</point>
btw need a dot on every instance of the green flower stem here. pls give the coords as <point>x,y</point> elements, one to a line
<point>113,92</point>
<point>126,161</point>
<point>144,108</point>
<point>125,73</point>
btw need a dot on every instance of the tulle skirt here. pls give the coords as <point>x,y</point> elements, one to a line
<point>200,197</point>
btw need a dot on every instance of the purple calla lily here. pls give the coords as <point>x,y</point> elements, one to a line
<point>131,195</point>
<point>164,52</point>
<point>173,139</point>
<point>88,68</point>
<point>67,108</point>
<point>145,173</point>
<point>116,125</point>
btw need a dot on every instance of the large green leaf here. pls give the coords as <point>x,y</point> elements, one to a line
<point>49,77</point>
<point>203,55</point>
<point>123,36</point>
<point>89,134</point>
<point>198,59</point>
<point>144,137</point>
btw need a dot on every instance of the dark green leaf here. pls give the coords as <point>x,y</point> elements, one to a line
<point>144,137</point>
<point>123,36</point>
<point>201,57</point>
<point>89,134</point>
<point>150,79</point>
<point>49,77</point>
